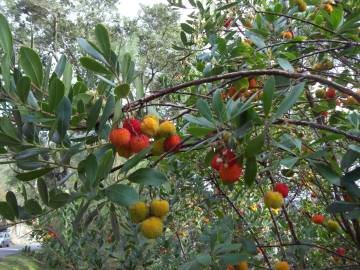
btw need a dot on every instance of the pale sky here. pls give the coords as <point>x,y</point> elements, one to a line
<point>130,8</point>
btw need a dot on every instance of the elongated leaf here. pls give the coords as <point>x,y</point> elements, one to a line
<point>94,114</point>
<point>268,94</point>
<point>341,206</point>
<point>29,153</point>
<point>33,207</point>
<point>23,88</point>
<point>63,114</point>
<point>31,64</point>
<point>254,147</point>
<point>204,109</point>
<point>328,173</point>
<point>105,165</point>
<point>219,106</point>
<point>87,170</point>
<point>114,223</point>
<point>60,66</point>
<point>135,160</point>
<point>102,38</point>
<point>56,93</point>
<point>250,170</point>
<point>57,198</point>
<point>6,41</point>
<point>122,194</point>
<point>43,191</point>
<point>11,200</point>
<point>80,214</point>
<point>91,49</point>
<point>33,174</point>
<point>108,111</point>
<point>187,28</point>
<point>6,211</point>
<point>285,64</point>
<point>93,65</point>
<point>148,176</point>
<point>67,77</point>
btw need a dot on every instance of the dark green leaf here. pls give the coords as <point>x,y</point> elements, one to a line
<point>187,28</point>
<point>6,41</point>
<point>33,174</point>
<point>11,200</point>
<point>107,112</point>
<point>268,94</point>
<point>219,106</point>
<point>57,198</point>
<point>114,223</point>
<point>91,50</point>
<point>250,170</point>
<point>23,88</point>
<point>33,207</point>
<point>341,206</point>
<point>102,38</point>
<point>352,176</point>
<point>148,176</point>
<point>93,65</point>
<point>56,93</point>
<point>122,194</point>
<point>31,64</point>
<point>105,165</point>
<point>63,114</point>
<point>328,173</point>
<point>254,146</point>
<point>204,109</point>
<point>43,191</point>
<point>94,114</point>
<point>135,160</point>
<point>122,90</point>
<point>199,131</point>
<point>29,153</point>
<point>6,211</point>
<point>87,169</point>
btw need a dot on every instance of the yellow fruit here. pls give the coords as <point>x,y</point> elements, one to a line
<point>166,129</point>
<point>159,208</point>
<point>332,225</point>
<point>226,136</point>
<point>301,5</point>
<point>273,199</point>
<point>138,211</point>
<point>150,126</point>
<point>152,227</point>
<point>282,265</point>
<point>243,265</point>
<point>317,67</point>
<point>329,8</point>
<point>158,147</point>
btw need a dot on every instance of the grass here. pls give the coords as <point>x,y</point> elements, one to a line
<point>20,262</point>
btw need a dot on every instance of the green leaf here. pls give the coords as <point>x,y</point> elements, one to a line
<point>352,176</point>
<point>67,77</point>
<point>6,41</point>
<point>341,206</point>
<point>148,176</point>
<point>348,159</point>
<point>93,65</point>
<point>268,93</point>
<point>219,106</point>
<point>105,165</point>
<point>135,160</point>
<point>289,100</point>
<point>60,66</point>
<point>201,121</point>
<point>204,109</point>
<point>57,198</point>
<point>183,38</point>
<point>56,93</point>
<point>232,259</point>
<point>102,38</point>
<point>107,112</point>
<point>250,170</point>
<point>11,200</point>
<point>254,146</point>
<point>187,28</point>
<point>328,173</point>
<point>91,49</point>
<point>33,207</point>
<point>23,88</point>
<point>285,64</point>
<point>33,174</point>
<point>31,64</point>
<point>6,211</point>
<point>43,191</point>
<point>122,194</point>
<point>204,259</point>
<point>114,223</point>
<point>336,17</point>
<point>94,114</point>
<point>199,131</point>
<point>122,90</point>
<point>63,114</point>
<point>87,170</point>
<point>30,153</point>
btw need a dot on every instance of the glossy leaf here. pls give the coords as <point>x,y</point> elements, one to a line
<point>268,94</point>
<point>63,114</point>
<point>102,38</point>
<point>250,170</point>
<point>23,88</point>
<point>122,194</point>
<point>6,41</point>
<point>94,114</point>
<point>43,191</point>
<point>28,176</point>
<point>31,64</point>
<point>6,211</point>
<point>12,201</point>
<point>33,207</point>
<point>148,176</point>
<point>93,65</point>
<point>56,93</point>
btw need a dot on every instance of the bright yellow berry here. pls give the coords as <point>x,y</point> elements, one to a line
<point>273,199</point>
<point>152,227</point>
<point>159,208</point>
<point>332,225</point>
<point>282,265</point>
<point>150,126</point>
<point>243,265</point>
<point>166,129</point>
<point>138,211</point>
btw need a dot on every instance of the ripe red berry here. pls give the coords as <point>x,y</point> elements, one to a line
<point>230,173</point>
<point>228,156</point>
<point>132,125</point>
<point>340,251</point>
<point>138,143</point>
<point>120,137</point>
<point>216,162</point>
<point>228,22</point>
<point>172,143</point>
<point>330,93</point>
<point>282,188</point>
<point>325,114</point>
<point>252,83</point>
<point>318,219</point>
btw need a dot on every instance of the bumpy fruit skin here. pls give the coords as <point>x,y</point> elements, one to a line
<point>282,188</point>
<point>230,173</point>
<point>228,22</point>
<point>301,5</point>
<point>138,212</point>
<point>150,126</point>
<point>229,156</point>
<point>252,83</point>
<point>124,151</point>
<point>320,93</point>
<point>318,67</point>
<point>158,147</point>
<point>340,251</point>
<point>216,162</point>
<point>243,266</point>
<point>138,143</point>
<point>282,265</point>
<point>172,143</point>
<point>330,93</point>
<point>166,129</point>
<point>273,199</point>
<point>120,137</point>
<point>230,267</point>
<point>231,91</point>
<point>287,35</point>
<point>133,125</point>
<point>332,225</point>
<point>329,8</point>
<point>318,219</point>
<point>159,208</point>
<point>152,227</point>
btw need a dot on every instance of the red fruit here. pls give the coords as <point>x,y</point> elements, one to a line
<point>229,156</point>
<point>282,188</point>
<point>325,114</point>
<point>340,251</point>
<point>330,93</point>
<point>216,162</point>
<point>132,125</point>
<point>227,22</point>
<point>172,143</point>
<point>230,173</point>
<point>138,143</point>
<point>347,197</point>
<point>318,219</point>
<point>231,91</point>
<point>252,83</point>
<point>120,137</point>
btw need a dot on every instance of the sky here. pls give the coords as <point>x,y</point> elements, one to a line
<point>130,8</point>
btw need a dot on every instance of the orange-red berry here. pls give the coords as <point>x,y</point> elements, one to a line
<point>230,173</point>
<point>172,143</point>
<point>330,93</point>
<point>340,251</point>
<point>133,125</point>
<point>282,188</point>
<point>138,143</point>
<point>120,137</point>
<point>318,219</point>
<point>252,83</point>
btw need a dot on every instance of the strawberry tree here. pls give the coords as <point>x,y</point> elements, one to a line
<point>252,161</point>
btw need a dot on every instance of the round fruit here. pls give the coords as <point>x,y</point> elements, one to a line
<point>229,156</point>
<point>301,5</point>
<point>350,100</point>
<point>120,137</point>
<point>172,143</point>
<point>216,162</point>
<point>231,91</point>
<point>228,22</point>
<point>152,227</point>
<point>133,125</point>
<point>282,188</point>
<point>340,251</point>
<point>287,35</point>
<point>158,147</point>
<point>138,143</point>
<point>230,173</point>
<point>332,225</point>
<point>230,267</point>
<point>329,8</point>
<point>150,126</point>
<point>273,199</point>
<point>124,151</point>
<point>243,266</point>
<point>138,212</point>
<point>330,93</point>
<point>282,265</point>
<point>159,208</point>
<point>320,93</point>
<point>166,129</point>
<point>252,83</point>
<point>318,219</point>
<point>325,114</point>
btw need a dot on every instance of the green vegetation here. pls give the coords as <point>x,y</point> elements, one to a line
<point>20,262</point>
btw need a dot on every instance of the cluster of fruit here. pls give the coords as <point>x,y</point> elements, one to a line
<point>151,218</point>
<point>236,93</point>
<point>330,94</point>
<point>134,136</point>
<point>275,199</point>
<point>280,265</point>
<point>226,163</point>
<point>330,224</point>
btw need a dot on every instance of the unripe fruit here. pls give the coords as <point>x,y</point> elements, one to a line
<point>124,151</point>
<point>318,67</point>
<point>158,147</point>
<point>138,143</point>
<point>230,173</point>
<point>120,137</point>
<point>150,126</point>
<point>329,8</point>
<point>152,227</point>
<point>283,189</point>
<point>320,93</point>
<point>216,162</point>
<point>301,5</point>
<point>332,225</point>
<point>273,199</point>
<point>172,143</point>
<point>159,208</point>
<point>282,265</point>
<point>226,136</point>
<point>166,129</point>
<point>330,93</point>
<point>350,100</point>
<point>133,125</point>
<point>138,212</point>
<point>243,266</point>
<point>252,83</point>
<point>318,219</point>
<point>287,35</point>
<point>340,251</point>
